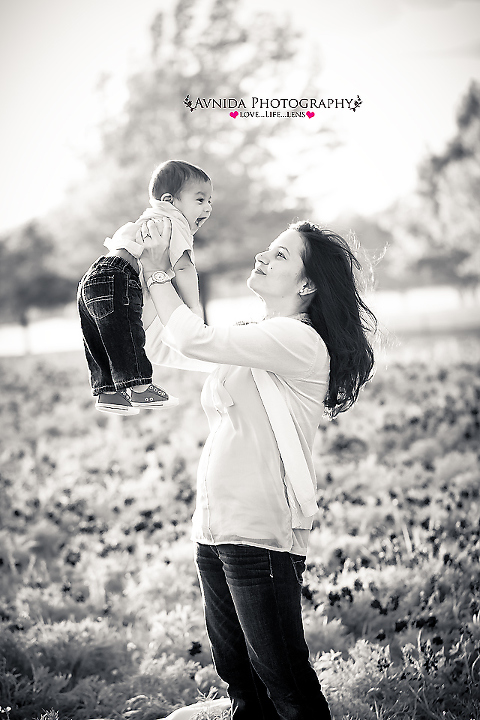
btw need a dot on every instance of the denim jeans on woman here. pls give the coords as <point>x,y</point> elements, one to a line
<point>110,305</point>
<point>252,599</point>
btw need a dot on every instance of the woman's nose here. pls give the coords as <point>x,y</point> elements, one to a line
<point>259,258</point>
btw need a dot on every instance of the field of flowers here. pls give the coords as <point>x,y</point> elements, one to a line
<point>100,609</point>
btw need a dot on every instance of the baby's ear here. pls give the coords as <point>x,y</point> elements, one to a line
<point>167,197</point>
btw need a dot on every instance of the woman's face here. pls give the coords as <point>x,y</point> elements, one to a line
<point>278,271</point>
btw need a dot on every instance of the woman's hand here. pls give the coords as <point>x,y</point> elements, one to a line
<point>155,237</point>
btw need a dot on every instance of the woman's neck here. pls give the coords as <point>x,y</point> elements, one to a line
<point>289,310</point>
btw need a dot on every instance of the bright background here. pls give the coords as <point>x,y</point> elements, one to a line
<point>409,60</point>
<point>100,608</point>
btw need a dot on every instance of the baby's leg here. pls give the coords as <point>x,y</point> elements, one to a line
<point>93,300</point>
<point>120,327</point>
<point>123,337</point>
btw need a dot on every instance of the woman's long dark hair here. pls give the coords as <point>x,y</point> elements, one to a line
<point>338,314</point>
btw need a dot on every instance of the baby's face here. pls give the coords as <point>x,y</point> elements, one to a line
<point>195,202</point>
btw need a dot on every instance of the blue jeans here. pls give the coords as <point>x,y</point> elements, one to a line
<point>252,599</point>
<point>110,305</point>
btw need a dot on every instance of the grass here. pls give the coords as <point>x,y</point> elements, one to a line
<point>100,609</point>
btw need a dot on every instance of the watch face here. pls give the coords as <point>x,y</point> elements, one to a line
<point>159,276</point>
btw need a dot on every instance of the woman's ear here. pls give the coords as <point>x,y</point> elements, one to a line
<point>167,197</point>
<point>307,288</point>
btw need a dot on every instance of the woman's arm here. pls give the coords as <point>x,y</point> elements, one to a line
<point>161,354</point>
<point>165,299</point>
<point>158,352</point>
<point>281,345</point>
<point>186,283</point>
<point>156,256</point>
<point>149,312</point>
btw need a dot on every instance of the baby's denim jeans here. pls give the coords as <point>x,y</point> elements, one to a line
<point>110,303</point>
<point>253,614</point>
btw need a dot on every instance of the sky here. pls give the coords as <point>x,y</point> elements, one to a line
<point>410,61</point>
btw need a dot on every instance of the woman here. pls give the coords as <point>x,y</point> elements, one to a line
<point>268,387</point>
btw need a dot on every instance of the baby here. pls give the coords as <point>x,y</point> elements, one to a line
<point>110,295</point>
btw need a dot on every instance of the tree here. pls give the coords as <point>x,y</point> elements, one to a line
<point>438,229</point>
<point>225,58</point>
<point>28,277</point>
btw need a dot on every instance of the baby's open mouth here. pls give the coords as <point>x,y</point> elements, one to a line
<point>199,220</point>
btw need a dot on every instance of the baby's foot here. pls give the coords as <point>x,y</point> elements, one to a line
<point>152,397</point>
<point>117,403</point>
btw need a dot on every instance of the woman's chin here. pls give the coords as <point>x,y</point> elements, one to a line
<point>251,281</point>
<point>251,286</point>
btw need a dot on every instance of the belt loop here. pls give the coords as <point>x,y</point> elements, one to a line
<point>270,563</point>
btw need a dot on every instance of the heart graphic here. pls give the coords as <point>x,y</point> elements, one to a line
<point>234,114</point>
<point>309,114</point>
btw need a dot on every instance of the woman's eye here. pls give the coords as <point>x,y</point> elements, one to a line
<point>281,255</point>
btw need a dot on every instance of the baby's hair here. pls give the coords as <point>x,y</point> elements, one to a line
<point>171,176</point>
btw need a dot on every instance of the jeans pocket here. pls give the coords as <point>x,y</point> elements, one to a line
<point>298,562</point>
<point>98,294</point>
<point>245,565</point>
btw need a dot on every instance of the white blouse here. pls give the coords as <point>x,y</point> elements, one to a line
<point>241,491</point>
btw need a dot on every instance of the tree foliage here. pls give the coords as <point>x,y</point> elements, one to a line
<point>438,229</point>
<point>28,275</point>
<point>213,56</point>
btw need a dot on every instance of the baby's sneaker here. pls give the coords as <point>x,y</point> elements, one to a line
<point>152,397</point>
<point>117,403</point>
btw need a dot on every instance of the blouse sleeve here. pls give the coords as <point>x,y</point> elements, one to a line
<point>161,354</point>
<point>283,346</point>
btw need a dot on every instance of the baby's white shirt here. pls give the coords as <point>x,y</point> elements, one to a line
<point>181,239</point>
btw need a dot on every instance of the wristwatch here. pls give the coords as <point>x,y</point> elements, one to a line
<point>159,276</point>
